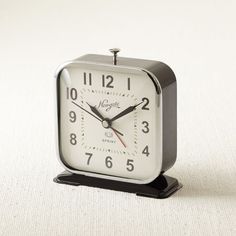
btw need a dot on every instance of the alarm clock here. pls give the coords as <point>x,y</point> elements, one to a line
<point>117,124</point>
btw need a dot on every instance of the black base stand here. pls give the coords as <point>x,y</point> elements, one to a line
<point>162,187</point>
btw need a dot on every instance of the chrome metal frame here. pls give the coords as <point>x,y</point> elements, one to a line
<point>165,83</point>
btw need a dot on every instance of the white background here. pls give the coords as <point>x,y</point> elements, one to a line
<point>196,38</point>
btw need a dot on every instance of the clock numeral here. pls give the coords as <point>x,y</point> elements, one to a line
<point>146,102</point>
<point>108,162</point>
<point>130,166</point>
<point>107,81</point>
<point>146,129</point>
<point>128,83</point>
<point>89,157</point>
<point>145,151</point>
<point>73,140</point>
<point>89,78</point>
<point>71,93</point>
<point>72,116</point>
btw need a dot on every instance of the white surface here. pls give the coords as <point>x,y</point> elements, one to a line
<point>197,38</point>
<point>146,169</point>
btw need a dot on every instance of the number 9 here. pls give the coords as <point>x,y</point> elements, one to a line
<point>72,116</point>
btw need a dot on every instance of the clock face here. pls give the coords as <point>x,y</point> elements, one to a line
<point>110,123</point>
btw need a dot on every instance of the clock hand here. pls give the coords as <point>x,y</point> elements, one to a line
<point>125,112</point>
<point>118,136</point>
<point>95,111</point>
<point>86,111</point>
<point>94,116</point>
<point>116,131</point>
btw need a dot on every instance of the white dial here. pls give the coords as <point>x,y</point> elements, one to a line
<point>109,123</point>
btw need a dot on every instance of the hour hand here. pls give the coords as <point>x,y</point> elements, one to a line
<point>125,112</point>
<point>96,112</point>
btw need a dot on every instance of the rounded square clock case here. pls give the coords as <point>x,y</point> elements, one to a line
<point>165,82</point>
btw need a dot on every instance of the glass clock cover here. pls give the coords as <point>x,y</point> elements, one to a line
<point>110,122</point>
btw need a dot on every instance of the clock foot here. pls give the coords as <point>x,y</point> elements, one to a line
<point>162,187</point>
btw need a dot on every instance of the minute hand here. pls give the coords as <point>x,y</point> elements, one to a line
<point>125,112</point>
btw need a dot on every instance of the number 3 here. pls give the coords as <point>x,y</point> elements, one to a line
<point>146,130</point>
